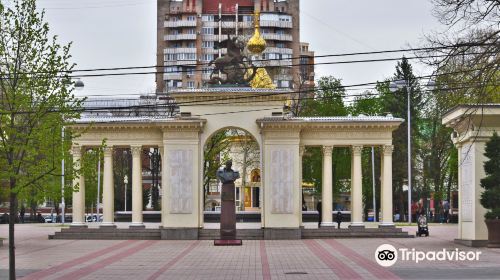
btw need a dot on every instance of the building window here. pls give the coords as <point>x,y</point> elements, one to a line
<point>207,18</point>
<point>191,31</point>
<point>207,70</point>
<point>170,57</point>
<point>207,57</point>
<point>174,32</point>
<point>190,84</point>
<point>172,69</point>
<point>190,45</point>
<point>190,71</point>
<point>207,44</point>
<point>207,31</point>
<point>191,18</point>
<point>186,56</point>
<point>247,18</point>
<point>280,45</point>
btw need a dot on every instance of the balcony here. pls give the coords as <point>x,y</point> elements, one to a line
<point>180,23</point>
<point>210,24</point>
<point>179,50</point>
<point>172,76</point>
<point>213,51</point>
<point>245,24</point>
<point>277,37</point>
<point>228,24</point>
<point>276,23</point>
<point>180,63</point>
<point>286,62</point>
<point>179,37</point>
<point>278,50</point>
<point>210,37</point>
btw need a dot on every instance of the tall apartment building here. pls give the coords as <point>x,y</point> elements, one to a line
<point>306,65</point>
<point>188,30</point>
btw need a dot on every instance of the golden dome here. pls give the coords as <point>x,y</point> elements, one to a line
<point>256,44</point>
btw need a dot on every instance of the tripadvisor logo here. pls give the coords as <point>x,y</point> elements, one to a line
<point>387,255</point>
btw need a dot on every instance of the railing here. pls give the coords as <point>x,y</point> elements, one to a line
<point>213,51</point>
<point>180,62</point>
<point>179,50</point>
<point>278,50</point>
<point>172,76</point>
<point>210,24</point>
<point>276,23</point>
<point>277,37</point>
<point>277,62</point>
<point>180,23</point>
<point>180,37</point>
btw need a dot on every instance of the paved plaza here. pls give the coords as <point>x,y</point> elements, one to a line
<point>40,258</point>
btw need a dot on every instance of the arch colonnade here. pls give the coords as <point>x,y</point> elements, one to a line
<point>282,140</point>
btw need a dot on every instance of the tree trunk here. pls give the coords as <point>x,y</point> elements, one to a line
<point>12,220</point>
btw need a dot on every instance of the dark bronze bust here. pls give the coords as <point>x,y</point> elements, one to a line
<point>228,175</point>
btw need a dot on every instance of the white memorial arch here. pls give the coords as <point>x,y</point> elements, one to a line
<point>282,140</point>
<point>473,125</point>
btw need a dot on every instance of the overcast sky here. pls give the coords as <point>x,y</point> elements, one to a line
<point>121,33</point>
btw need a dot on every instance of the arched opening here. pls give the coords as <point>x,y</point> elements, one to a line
<point>242,148</point>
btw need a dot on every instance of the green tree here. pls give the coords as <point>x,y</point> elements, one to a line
<point>468,48</point>
<point>214,155</point>
<point>327,101</point>
<point>396,104</point>
<point>490,198</point>
<point>35,99</point>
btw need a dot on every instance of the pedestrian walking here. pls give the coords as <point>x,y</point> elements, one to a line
<point>318,208</point>
<point>22,213</point>
<point>339,218</point>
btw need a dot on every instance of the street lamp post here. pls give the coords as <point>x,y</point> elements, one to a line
<point>393,87</point>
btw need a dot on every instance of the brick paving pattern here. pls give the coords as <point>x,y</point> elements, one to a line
<point>40,258</point>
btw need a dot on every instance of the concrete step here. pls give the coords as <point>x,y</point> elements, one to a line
<point>211,234</point>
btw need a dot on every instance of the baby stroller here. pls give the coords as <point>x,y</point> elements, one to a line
<point>422,226</point>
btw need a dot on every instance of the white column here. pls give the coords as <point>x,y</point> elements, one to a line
<point>301,154</point>
<point>136,186</point>
<point>163,151</point>
<point>108,192</point>
<point>386,193</point>
<point>79,196</point>
<point>327,192</point>
<point>356,188</point>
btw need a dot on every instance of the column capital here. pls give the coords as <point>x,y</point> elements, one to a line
<point>356,150</point>
<point>76,151</point>
<point>136,150</point>
<point>108,151</point>
<point>327,150</point>
<point>302,149</point>
<point>387,149</point>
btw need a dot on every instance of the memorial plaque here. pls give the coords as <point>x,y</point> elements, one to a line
<point>466,183</point>
<point>181,181</point>
<point>282,163</point>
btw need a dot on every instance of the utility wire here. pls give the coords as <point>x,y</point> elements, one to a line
<point>211,102</point>
<point>280,59</point>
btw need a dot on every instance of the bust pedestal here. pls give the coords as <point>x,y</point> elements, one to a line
<point>227,218</point>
